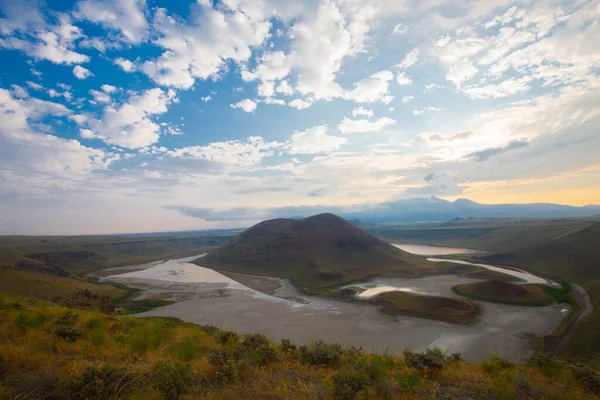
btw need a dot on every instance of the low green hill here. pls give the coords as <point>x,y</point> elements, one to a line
<point>313,252</point>
<point>505,292</point>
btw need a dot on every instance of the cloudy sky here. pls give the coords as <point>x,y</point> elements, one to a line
<point>124,115</point>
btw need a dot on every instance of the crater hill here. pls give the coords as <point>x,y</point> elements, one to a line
<point>313,252</point>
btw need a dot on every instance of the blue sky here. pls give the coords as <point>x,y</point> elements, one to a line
<point>118,115</point>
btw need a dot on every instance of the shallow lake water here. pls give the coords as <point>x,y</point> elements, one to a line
<point>205,296</point>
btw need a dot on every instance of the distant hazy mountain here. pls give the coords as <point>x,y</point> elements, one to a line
<point>435,209</point>
<point>312,252</point>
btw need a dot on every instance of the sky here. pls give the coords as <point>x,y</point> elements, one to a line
<point>123,115</point>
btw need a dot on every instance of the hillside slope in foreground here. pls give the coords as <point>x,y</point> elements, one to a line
<point>52,352</point>
<point>313,252</point>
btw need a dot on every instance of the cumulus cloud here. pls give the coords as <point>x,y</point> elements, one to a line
<point>373,89</point>
<point>364,125</point>
<point>52,42</point>
<point>314,140</point>
<point>300,104</point>
<point>362,111</point>
<point>81,73</point>
<point>403,79</point>
<point>124,16</point>
<point>125,64</point>
<point>400,29</point>
<point>246,105</point>
<point>201,46</point>
<point>130,125</point>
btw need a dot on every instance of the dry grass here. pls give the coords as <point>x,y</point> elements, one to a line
<point>130,358</point>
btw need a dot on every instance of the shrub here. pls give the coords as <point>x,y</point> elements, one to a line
<point>287,346</point>
<point>26,321</point>
<point>495,364</point>
<point>227,337</point>
<point>37,385</point>
<point>187,349</point>
<point>63,327</point>
<point>523,389</point>
<point>408,381</point>
<point>225,364</point>
<point>256,347</point>
<point>321,353</point>
<point>588,376</point>
<point>347,385</point>
<point>172,380</point>
<point>432,359</point>
<point>456,357</point>
<point>100,383</point>
<point>148,336</point>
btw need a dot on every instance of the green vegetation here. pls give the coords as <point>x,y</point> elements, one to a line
<point>315,253</point>
<point>505,293</point>
<point>49,351</point>
<point>48,287</point>
<point>456,311</point>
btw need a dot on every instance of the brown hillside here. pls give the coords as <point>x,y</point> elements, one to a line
<point>315,251</point>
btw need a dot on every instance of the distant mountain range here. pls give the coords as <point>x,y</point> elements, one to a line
<point>434,209</point>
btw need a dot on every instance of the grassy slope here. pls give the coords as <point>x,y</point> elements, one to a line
<point>112,250</point>
<point>505,292</point>
<point>139,358</point>
<point>446,309</point>
<point>47,287</point>
<point>314,252</point>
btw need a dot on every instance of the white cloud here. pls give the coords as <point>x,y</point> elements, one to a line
<point>124,16</point>
<point>314,140</point>
<point>200,47</point>
<point>300,104</point>
<point>285,88</point>
<point>406,99</point>
<point>505,88</point>
<point>125,65</point>
<point>35,160</point>
<point>34,86</point>
<point>19,91</point>
<point>400,29</point>
<point>108,88</point>
<point>271,100</point>
<point>362,111</point>
<point>427,109</point>
<point>410,59</point>
<point>364,125</point>
<point>54,43</point>
<point>403,79</point>
<point>233,154</point>
<point>206,99</point>
<point>460,73</point>
<point>373,89</point>
<point>247,105</point>
<point>100,97</point>
<point>131,125</point>
<point>81,73</point>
